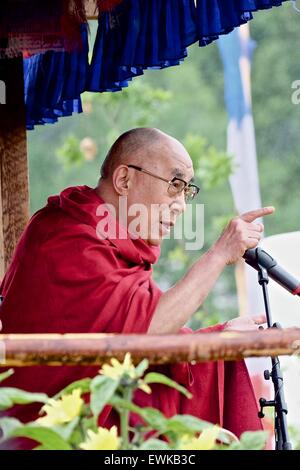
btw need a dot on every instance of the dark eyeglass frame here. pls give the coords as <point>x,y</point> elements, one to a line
<point>187,186</point>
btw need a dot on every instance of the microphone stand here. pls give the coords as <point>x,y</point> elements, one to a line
<point>279,403</point>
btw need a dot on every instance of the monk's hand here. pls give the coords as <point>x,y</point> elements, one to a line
<point>245,323</point>
<point>241,234</point>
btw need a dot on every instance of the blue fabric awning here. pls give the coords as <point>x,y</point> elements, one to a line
<point>137,35</point>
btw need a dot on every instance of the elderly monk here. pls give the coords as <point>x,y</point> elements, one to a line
<point>71,275</point>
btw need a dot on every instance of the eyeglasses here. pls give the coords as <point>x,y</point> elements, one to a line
<point>176,185</point>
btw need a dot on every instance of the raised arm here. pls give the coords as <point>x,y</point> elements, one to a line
<point>181,301</point>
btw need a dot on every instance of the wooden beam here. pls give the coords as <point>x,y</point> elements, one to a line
<point>95,349</point>
<point>14,194</point>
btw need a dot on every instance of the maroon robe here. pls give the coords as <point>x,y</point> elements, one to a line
<point>65,279</point>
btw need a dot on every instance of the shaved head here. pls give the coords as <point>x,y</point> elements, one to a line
<point>138,146</point>
<point>140,167</point>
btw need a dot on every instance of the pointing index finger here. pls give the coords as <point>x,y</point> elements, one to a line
<point>252,215</point>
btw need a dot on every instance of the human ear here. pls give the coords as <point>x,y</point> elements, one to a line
<point>121,180</point>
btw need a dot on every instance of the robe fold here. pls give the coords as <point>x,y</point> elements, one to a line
<point>68,276</point>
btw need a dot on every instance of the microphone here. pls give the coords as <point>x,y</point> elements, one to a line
<point>256,257</point>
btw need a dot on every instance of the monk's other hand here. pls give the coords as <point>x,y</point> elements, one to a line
<point>241,234</point>
<point>245,323</point>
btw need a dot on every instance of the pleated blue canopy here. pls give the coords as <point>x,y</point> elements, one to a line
<point>135,36</point>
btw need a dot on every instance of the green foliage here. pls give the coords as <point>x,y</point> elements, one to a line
<point>145,103</point>
<point>154,444</point>
<point>211,166</point>
<point>75,427</point>
<point>13,396</point>
<point>49,439</point>
<point>141,368</point>
<point>185,424</point>
<point>69,153</point>
<point>6,374</point>
<point>204,318</point>
<point>102,389</point>
<point>8,426</point>
<point>251,440</point>
<point>83,384</point>
<point>295,437</point>
<point>154,377</point>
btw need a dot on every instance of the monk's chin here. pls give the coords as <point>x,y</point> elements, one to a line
<point>156,237</point>
<point>154,241</point>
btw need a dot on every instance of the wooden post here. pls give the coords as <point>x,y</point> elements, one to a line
<point>14,194</point>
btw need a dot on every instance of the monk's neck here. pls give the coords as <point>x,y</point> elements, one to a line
<point>108,196</point>
<point>105,192</point>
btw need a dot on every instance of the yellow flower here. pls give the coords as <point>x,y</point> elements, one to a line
<point>63,410</point>
<point>103,439</point>
<point>117,369</point>
<point>206,440</point>
<point>145,387</point>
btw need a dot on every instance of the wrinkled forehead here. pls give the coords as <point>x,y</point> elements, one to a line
<point>175,161</point>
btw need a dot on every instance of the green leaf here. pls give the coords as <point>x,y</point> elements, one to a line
<point>102,389</point>
<point>121,403</point>
<point>251,441</point>
<point>66,430</point>
<point>8,426</point>
<point>212,167</point>
<point>154,444</point>
<point>69,153</point>
<point>13,396</point>
<point>154,377</point>
<point>175,426</point>
<point>186,424</point>
<point>89,423</point>
<point>6,374</point>
<point>5,402</point>
<point>154,418</point>
<point>83,385</point>
<point>141,367</point>
<point>49,439</point>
